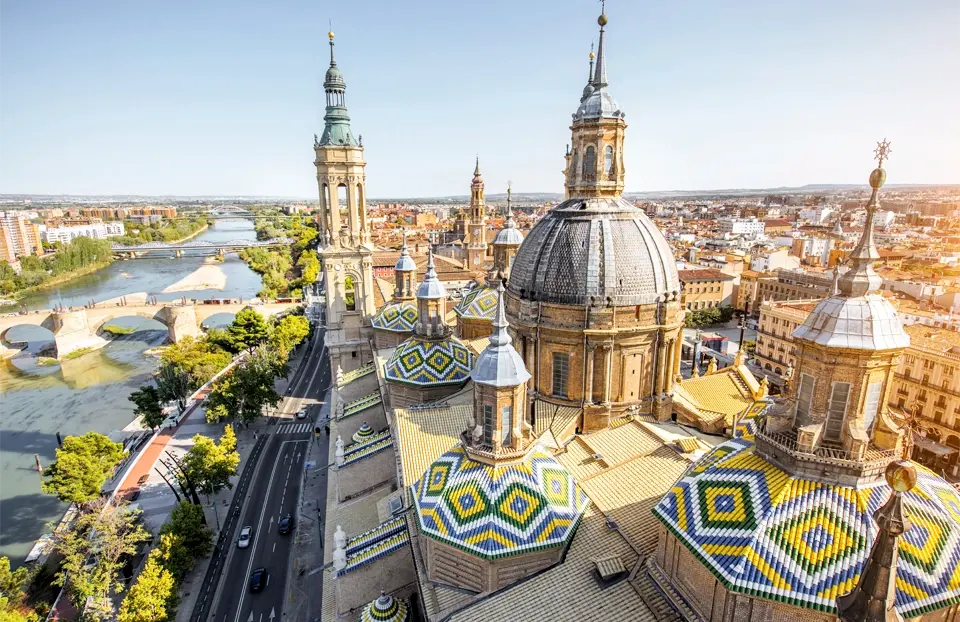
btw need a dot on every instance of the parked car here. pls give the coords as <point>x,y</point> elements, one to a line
<point>302,413</point>
<point>244,540</point>
<point>258,579</point>
<point>286,524</point>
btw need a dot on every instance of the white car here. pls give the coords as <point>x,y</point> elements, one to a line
<point>244,540</point>
<point>302,413</point>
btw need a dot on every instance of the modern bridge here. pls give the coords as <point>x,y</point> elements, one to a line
<point>153,249</point>
<point>81,327</point>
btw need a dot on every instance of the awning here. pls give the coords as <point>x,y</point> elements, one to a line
<point>932,446</point>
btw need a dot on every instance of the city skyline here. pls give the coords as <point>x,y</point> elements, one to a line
<point>98,115</point>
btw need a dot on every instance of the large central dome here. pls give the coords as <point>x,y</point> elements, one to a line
<point>589,250</point>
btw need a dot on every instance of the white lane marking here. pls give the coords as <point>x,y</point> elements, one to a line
<point>256,536</point>
<point>274,547</point>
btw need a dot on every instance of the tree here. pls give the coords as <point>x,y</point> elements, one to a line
<point>248,330</point>
<point>243,394</point>
<point>210,465</point>
<point>173,385</point>
<point>152,598</point>
<point>186,524</point>
<point>149,406</point>
<point>94,549</point>
<point>82,466</point>
<point>12,599</point>
<point>289,332</point>
<point>201,359</point>
<point>174,556</point>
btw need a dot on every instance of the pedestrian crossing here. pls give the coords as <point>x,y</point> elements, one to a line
<point>294,428</point>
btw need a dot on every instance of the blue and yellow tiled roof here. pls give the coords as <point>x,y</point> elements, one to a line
<point>398,317</point>
<point>497,511</point>
<point>426,363</point>
<point>763,532</point>
<point>480,303</point>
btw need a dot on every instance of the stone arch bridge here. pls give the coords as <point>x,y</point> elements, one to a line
<point>81,328</point>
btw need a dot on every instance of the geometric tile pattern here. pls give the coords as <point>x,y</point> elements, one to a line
<point>368,449</point>
<point>426,363</point>
<point>350,376</point>
<point>380,532</point>
<point>375,551</point>
<point>364,434</point>
<point>496,511</point>
<point>764,532</point>
<point>397,317</point>
<point>480,303</point>
<point>365,402</point>
<point>364,441</point>
<point>385,609</point>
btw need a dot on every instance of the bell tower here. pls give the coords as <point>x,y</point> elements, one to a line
<point>476,237</point>
<point>347,253</point>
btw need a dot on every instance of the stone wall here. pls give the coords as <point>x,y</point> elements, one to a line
<point>364,474</point>
<point>360,586</point>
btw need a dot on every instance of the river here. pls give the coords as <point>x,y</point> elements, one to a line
<point>88,393</point>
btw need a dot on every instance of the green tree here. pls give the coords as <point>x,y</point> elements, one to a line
<point>174,556</point>
<point>153,597</point>
<point>186,524</point>
<point>289,332</point>
<point>82,466</point>
<point>248,330</point>
<point>149,406</point>
<point>243,394</point>
<point>94,549</point>
<point>200,358</point>
<point>209,464</point>
<point>13,607</point>
<point>173,385</point>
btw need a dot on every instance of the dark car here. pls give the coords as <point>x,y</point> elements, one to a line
<point>286,524</point>
<point>258,579</point>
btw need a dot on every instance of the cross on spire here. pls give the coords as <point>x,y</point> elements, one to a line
<point>882,152</point>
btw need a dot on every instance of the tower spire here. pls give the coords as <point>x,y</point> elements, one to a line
<point>476,169</point>
<point>336,121</point>
<point>861,279</point>
<point>600,71</point>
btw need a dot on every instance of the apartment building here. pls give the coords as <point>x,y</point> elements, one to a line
<point>776,351</point>
<point>20,234</point>
<point>741,226</point>
<point>795,285</point>
<point>7,251</point>
<point>95,230</point>
<point>706,288</point>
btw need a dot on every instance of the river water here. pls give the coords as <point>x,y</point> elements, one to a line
<point>88,393</point>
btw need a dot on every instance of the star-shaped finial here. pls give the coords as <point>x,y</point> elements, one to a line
<point>882,152</point>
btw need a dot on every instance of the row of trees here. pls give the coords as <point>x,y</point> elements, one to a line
<point>286,271</point>
<point>79,254</point>
<point>709,317</point>
<point>163,231</point>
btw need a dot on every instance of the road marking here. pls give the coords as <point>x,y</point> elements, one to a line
<point>274,548</point>
<point>268,585</point>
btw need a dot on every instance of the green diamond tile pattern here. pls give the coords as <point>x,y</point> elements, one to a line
<point>480,303</point>
<point>396,317</point>
<point>425,363</point>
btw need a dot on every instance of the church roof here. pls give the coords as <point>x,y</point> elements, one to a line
<point>480,303</point>
<point>764,532</point>
<point>497,511</point>
<point>385,609</point>
<point>865,322</point>
<point>727,394</point>
<point>430,363</point>
<point>500,365</point>
<point>398,317</point>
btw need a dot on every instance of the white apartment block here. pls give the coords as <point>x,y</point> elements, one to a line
<point>742,226</point>
<point>815,215</point>
<point>96,230</point>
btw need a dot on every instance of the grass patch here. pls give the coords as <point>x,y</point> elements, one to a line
<point>77,354</point>
<point>46,361</point>
<point>119,330</point>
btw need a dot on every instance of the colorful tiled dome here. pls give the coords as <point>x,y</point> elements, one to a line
<point>480,303</point>
<point>385,609</point>
<point>398,317</point>
<point>497,511</point>
<point>430,363</point>
<point>364,433</point>
<point>766,533</point>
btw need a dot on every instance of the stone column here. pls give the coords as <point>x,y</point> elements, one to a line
<point>678,354</point>
<point>588,394</point>
<point>334,208</point>
<point>608,371</point>
<point>668,370</point>
<point>661,364</point>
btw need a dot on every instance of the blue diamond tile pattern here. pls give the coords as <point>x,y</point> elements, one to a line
<point>766,533</point>
<point>424,363</point>
<point>397,317</point>
<point>480,303</point>
<point>497,511</point>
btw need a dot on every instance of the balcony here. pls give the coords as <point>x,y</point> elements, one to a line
<point>929,385</point>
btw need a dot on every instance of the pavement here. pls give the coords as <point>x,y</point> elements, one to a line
<point>273,481</point>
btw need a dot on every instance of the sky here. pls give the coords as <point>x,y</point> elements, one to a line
<point>223,97</point>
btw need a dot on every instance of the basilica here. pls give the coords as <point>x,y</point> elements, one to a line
<point>530,451</point>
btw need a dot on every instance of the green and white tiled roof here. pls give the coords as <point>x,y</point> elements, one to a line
<point>350,376</point>
<point>365,402</point>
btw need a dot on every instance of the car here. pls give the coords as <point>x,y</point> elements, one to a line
<point>286,523</point>
<point>243,541</point>
<point>143,479</point>
<point>258,579</point>
<point>302,413</point>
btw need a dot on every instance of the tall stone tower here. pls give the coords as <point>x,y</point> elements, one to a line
<point>347,253</point>
<point>476,238</point>
<point>595,163</point>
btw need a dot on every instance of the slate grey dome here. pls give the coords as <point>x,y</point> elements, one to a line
<point>589,250</point>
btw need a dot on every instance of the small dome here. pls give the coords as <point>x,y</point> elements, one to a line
<point>425,363</point>
<point>480,303</point>
<point>587,92</point>
<point>431,288</point>
<point>365,432</point>
<point>598,104</point>
<point>509,235</point>
<point>588,250</point>
<point>863,322</point>
<point>496,511</point>
<point>405,263</point>
<point>397,317</point>
<point>385,609</point>
<point>333,78</point>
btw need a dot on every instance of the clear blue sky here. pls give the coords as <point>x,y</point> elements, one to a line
<point>223,97</point>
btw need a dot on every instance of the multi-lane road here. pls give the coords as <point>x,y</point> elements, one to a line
<point>273,493</point>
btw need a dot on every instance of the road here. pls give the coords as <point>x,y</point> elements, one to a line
<point>273,492</point>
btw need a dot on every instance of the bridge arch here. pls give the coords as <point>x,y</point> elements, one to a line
<point>97,326</point>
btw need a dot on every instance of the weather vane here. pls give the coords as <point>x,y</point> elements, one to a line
<point>882,152</point>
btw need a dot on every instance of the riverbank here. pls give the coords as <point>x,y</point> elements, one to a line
<point>192,235</point>
<point>60,279</point>
<point>207,276</point>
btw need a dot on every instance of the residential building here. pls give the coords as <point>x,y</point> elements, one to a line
<point>815,215</point>
<point>774,260</point>
<point>94,230</point>
<point>742,226</point>
<point>812,251</point>
<point>7,249</point>
<point>23,235</point>
<point>706,288</point>
<point>795,285</point>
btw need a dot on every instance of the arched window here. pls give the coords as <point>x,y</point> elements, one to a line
<point>360,207</point>
<point>349,294</point>
<point>343,205</point>
<point>590,164</point>
<point>608,160</point>
<point>326,206</point>
<point>576,164</point>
